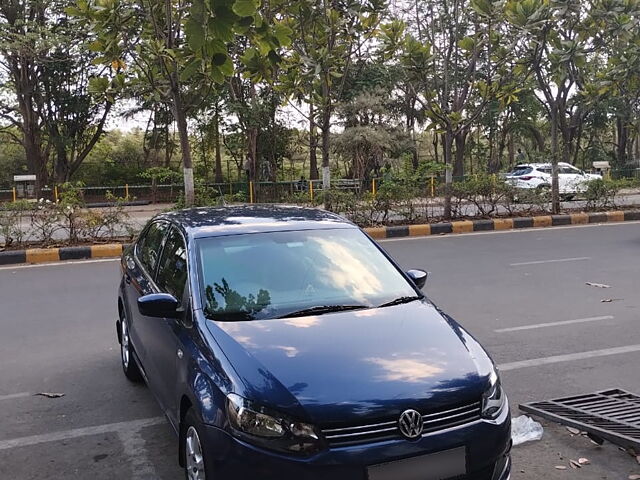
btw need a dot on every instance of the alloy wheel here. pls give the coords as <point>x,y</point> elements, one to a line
<point>124,342</point>
<point>195,460</point>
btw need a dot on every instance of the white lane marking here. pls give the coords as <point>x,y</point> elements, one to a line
<point>554,324</point>
<point>536,362</point>
<point>542,262</point>
<point>134,447</point>
<point>514,231</point>
<point>121,427</point>
<point>15,395</point>
<point>56,264</point>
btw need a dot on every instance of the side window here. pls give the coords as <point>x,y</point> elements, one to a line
<point>567,170</point>
<point>172,274</point>
<point>149,246</point>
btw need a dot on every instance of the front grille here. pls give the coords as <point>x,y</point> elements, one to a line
<point>388,430</point>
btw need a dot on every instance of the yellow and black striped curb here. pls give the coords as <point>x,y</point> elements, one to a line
<point>41,255</point>
<point>497,224</point>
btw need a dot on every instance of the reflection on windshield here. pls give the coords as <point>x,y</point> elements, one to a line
<point>234,303</point>
<point>270,275</point>
<point>341,271</point>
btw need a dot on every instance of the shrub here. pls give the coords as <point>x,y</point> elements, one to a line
<point>45,221</point>
<point>485,192</point>
<point>12,216</point>
<point>603,194</point>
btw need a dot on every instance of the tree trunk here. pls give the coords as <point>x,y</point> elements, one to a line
<point>185,148</point>
<point>461,141</point>
<point>511,148</point>
<point>313,144</point>
<point>623,139</point>
<point>326,130</point>
<point>447,146</point>
<point>216,126</point>
<point>555,187</point>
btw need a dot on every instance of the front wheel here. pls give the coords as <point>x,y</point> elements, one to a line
<point>129,365</point>
<point>195,466</point>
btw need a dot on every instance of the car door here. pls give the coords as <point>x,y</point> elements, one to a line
<point>162,343</point>
<point>569,178</point>
<point>141,265</point>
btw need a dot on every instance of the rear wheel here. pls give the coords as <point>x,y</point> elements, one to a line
<point>129,364</point>
<point>195,466</point>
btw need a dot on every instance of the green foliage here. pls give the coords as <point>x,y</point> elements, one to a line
<point>603,194</point>
<point>205,196</point>
<point>12,217</point>
<point>485,192</point>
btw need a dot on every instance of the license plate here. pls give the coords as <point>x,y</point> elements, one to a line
<point>435,466</point>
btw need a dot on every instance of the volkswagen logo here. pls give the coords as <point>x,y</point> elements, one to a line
<point>410,424</point>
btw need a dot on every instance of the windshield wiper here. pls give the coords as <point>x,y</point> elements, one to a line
<point>399,301</point>
<point>321,309</point>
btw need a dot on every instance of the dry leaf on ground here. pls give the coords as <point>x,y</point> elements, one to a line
<point>598,285</point>
<point>50,395</point>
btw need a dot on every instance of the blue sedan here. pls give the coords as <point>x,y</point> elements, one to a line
<point>283,343</point>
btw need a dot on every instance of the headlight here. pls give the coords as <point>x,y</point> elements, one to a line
<point>269,429</point>
<point>494,400</point>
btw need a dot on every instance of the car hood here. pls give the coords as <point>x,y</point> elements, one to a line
<point>366,364</point>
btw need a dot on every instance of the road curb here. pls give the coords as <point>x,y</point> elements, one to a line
<point>43,255</point>
<point>501,224</point>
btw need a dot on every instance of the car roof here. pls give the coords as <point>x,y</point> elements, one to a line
<point>239,219</point>
<point>537,165</point>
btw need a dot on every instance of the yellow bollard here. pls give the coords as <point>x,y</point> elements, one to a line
<point>311,189</point>
<point>126,191</point>
<point>373,187</point>
<point>251,191</point>
<point>55,193</point>
<point>433,186</point>
<point>14,195</point>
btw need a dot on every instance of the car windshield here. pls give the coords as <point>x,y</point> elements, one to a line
<point>271,275</point>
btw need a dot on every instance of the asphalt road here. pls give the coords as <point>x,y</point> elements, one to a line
<point>58,336</point>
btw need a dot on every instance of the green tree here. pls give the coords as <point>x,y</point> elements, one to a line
<point>181,49</point>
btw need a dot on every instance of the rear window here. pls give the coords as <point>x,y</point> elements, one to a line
<point>546,170</point>
<point>520,171</point>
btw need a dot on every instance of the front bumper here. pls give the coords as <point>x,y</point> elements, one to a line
<point>488,445</point>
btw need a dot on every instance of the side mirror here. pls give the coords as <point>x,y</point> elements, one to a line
<point>419,277</point>
<point>159,305</point>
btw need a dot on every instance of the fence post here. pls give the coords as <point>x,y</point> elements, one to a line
<point>230,188</point>
<point>311,189</point>
<point>14,195</point>
<point>55,193</point>
<point>126,191</point>
<point>373,187</point>
<point>250,191</point>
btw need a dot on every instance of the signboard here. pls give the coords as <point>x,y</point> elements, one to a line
<point>24,178</point>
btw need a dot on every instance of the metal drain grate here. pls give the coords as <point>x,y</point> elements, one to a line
<point>613,415</point>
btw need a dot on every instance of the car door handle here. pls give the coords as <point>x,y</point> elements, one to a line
<point>127,278</point>
<point>180,354</point>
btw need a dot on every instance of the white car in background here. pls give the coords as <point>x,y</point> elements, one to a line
<point>571,181</point>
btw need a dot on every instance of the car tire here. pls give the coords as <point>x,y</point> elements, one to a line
<point>127,357</point>
<point>196,465</point>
